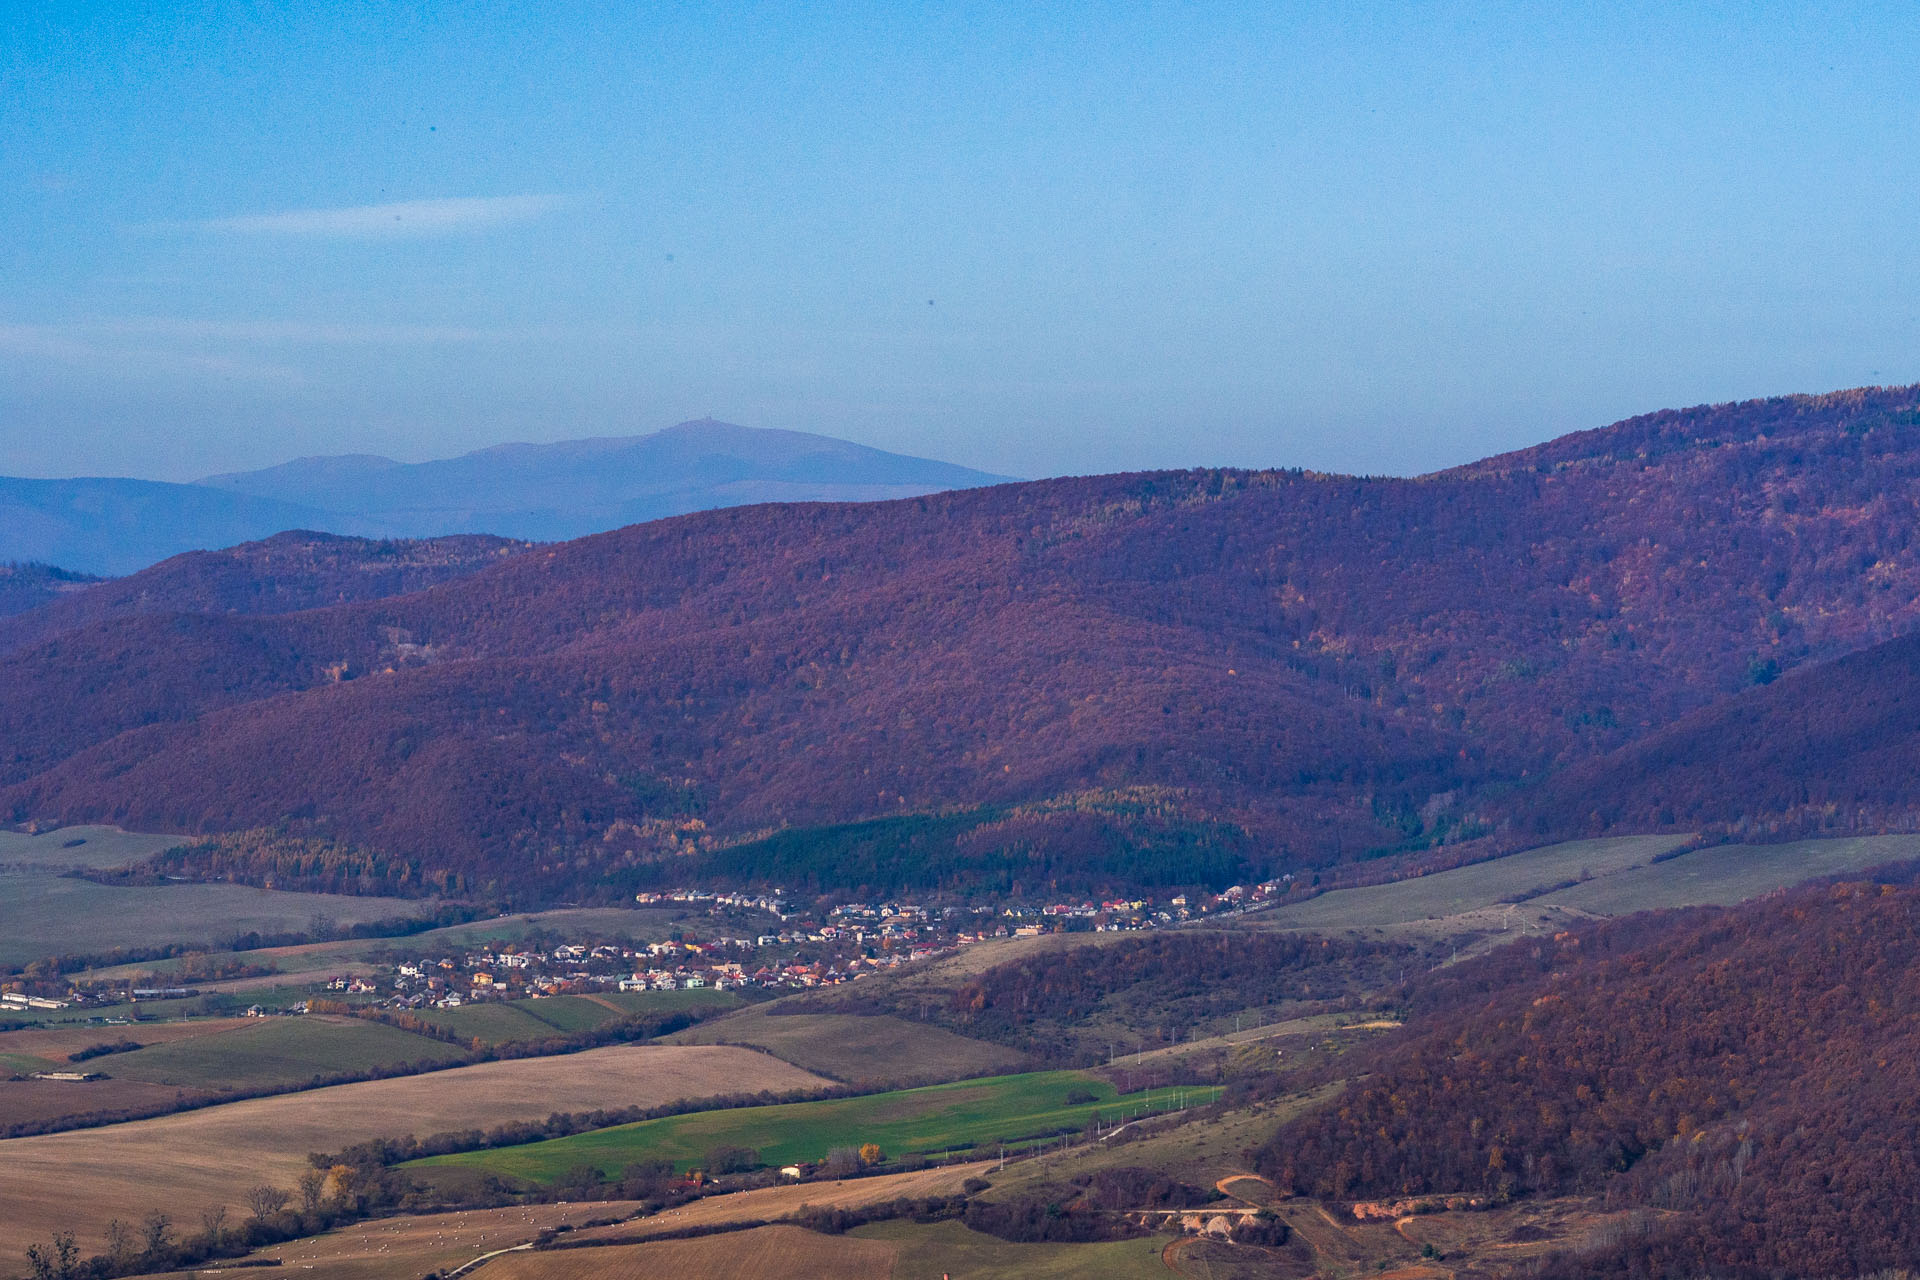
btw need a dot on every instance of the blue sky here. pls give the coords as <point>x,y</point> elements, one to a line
<point>1033,239</point>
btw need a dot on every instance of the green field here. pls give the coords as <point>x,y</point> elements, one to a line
<point>940,1248</point>
<point>71,848</point>
<point>564,1015</point>
<point>939,1118</point>
<point>275,1051</point>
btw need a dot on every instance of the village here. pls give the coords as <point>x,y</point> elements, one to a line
<point>846,942</point>
<point>749,943</point>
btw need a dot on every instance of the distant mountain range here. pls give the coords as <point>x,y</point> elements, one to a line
<point>524,491</point>
<point>1168,677</point>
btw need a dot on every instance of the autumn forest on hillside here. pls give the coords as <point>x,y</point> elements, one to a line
<point>1047,684</point>
<point>1502,873</point>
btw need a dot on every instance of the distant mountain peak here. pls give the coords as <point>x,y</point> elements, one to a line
<point>332,465</point>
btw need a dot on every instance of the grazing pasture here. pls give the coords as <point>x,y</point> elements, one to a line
<point>962,1116</point>
<point>859,1049</point>
<point>79,848</point>
<point>179,1163</point>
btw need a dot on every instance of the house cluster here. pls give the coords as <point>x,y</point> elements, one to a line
<point>1120,914</point>
<point>788,959</point>
<point>771,903</point>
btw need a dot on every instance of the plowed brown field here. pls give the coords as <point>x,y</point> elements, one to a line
<point>80,1180</point>
<point>763,1253</point>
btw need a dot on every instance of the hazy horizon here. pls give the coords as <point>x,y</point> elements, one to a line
<point>1098,239</point>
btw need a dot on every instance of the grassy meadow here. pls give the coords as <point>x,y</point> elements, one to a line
<point>88,848</point>
<point>963,1116</point>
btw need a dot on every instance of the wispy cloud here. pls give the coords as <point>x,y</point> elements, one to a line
<point>45,344</point>
<point>405,218</point>
<point>296,332</point>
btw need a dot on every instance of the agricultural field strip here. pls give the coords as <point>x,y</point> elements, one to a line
<point>856,1047</point>
<point>935,1118</point>
<point>770,1204</point>
<point>1727,874</point>
<point>406,1248</point>
<point>937,1248</point>
<point>265,1052</point>
<point>1612,876</point>
<point>44,914</point>
<point>763,1253</point>
<point>78,1180</point>
<point>50,1045</point>
<point>1483,884</point>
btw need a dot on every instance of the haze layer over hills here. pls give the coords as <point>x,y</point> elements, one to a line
<point>525,491</point>
<point>1141,678</point>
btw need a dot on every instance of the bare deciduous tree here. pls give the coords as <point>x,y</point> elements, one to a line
<point>56,1262</point>
<point>157,1228</point>
<point>119,1243</point>
<point>213,1220</point>
<point>313,1188</point>
<point>264,1201</point>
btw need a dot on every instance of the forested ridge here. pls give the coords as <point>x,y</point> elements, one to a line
<point>1830,749</point>
<point>1751,1072</point>
<point>1272,669</point>
<point>28,586</point>
<point>291,571</point>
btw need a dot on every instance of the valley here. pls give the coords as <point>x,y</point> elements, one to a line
<point>1203,873</point>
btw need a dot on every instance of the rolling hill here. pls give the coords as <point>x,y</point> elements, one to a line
<point>1831,748</point>
<point>28,586</point>
<point>1741,1075</point>
<point>1161,677</point>
<point>550,492</point>
<point>282,574</point>
<point>522,491</point>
